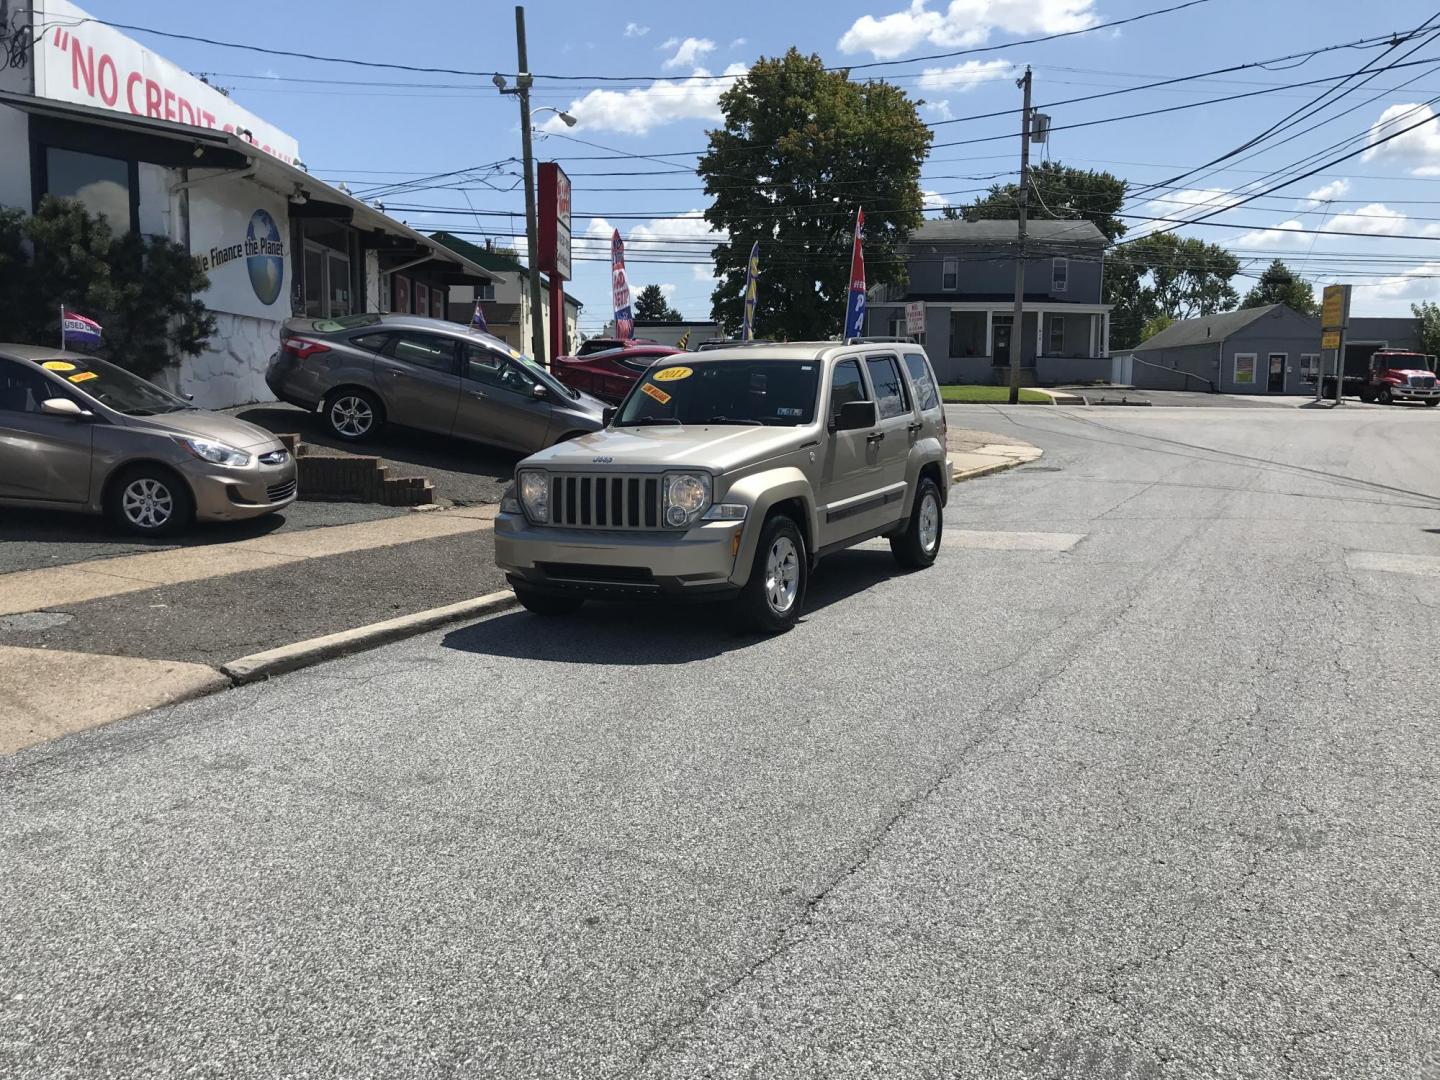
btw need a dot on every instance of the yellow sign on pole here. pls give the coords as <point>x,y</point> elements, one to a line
<point>1330,339</point>
<point>1332,310</point>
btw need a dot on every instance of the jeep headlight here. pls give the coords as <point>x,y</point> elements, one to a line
<point>686,497</point>
<point>534,487</point>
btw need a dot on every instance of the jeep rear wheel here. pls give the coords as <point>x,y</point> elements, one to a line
<point>917,546</point>
<point>772,599</point>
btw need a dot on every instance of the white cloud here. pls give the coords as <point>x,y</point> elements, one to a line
<point>664,101</point>
<point>688,53</point>
<point>939,109</point>
<point>963,23</point>
<point>1178,203</point>
<point>663,237</point>
<point>739,41</point>
<point>1420,283</point>
<point>636,30</point>
<point>667,288</point>
<point>964,76</point>
<point>1334,190</point>
<point>933,200</point>
<point>1418,148</point>
<point>1280,234</point>
<point>1376,219</point>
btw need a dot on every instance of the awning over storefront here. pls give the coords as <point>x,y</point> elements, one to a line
<point>213,152</point>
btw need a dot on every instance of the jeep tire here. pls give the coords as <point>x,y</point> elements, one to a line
<point>771,601</point>
<point>916,547</point>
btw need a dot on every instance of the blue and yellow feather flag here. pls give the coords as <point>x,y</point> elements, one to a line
<point>752,285</point>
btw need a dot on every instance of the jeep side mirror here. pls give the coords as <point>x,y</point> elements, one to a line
<point>855,416</point>
<point>607,415</point>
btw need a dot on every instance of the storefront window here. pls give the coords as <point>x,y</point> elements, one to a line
<point>102,184</point>
<point>327,283</point>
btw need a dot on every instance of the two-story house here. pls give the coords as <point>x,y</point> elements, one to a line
<point>964,273</point>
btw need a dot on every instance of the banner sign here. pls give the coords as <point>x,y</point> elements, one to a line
<point>624,318</point>
<point>554,221</point>
<point>239,232</point>
<point>855,306</point>
<point>86,62</point>
<point>1333,307</point>
<point>752,285</point>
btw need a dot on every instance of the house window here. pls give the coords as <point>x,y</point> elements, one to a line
<point>485,291</point>
<point>950,275</point>
<point>1059,275</point>
<point>1057,335</point>
<point>1245,369</point>
<point>1309,367</point>
<point>100,184</point>
<point>967,333</point>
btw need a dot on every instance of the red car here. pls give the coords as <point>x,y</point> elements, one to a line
<point>605,344</point>
<point>609,375</point>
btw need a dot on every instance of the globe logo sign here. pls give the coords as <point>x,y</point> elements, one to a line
<point>265,257</point>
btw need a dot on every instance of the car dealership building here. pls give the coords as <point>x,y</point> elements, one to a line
<point>90,114</point>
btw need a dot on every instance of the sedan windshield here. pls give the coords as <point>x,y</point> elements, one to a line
<point>733,392</point>
<point>115,387</point>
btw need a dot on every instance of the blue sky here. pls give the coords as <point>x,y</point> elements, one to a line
<point>353,127</point>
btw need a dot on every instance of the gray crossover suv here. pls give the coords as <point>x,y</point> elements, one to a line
<point>362,371</point>
<point>730,474</point>
<point>77,433</point>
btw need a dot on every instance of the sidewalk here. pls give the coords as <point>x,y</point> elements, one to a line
<point>103,635</point>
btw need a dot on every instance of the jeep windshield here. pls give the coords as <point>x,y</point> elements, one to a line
<point>779,393</point>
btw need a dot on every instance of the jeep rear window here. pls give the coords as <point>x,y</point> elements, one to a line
<point>778,393</point>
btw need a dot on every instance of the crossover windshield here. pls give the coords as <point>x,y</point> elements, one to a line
<point>734,392</point>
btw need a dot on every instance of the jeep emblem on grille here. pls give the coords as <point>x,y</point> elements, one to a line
<point>601,460</point>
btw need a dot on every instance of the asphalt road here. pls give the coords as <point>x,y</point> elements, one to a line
<point>1150,794</point>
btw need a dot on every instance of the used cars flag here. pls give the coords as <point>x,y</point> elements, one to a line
<point>752,285</point>
<point>78,329</point>
<point>855,305</point>
<point>624,319</point>
<point>477,321</point>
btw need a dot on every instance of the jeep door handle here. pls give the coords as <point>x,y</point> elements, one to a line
<point>875,437</point>
<point>914,429</point>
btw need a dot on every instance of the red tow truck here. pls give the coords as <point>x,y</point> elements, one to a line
<point>1387,376</point>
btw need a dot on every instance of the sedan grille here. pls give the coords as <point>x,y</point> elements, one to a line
<point>280,492</point>
<point>590,501</point>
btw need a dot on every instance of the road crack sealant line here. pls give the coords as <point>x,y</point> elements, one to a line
<point>795,931</point>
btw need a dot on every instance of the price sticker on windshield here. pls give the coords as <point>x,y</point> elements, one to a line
<point>83,376</point>
<point>673,374</point>
<point>656,393</point>
<point>58,365</point>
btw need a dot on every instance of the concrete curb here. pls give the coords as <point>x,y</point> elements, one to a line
<point>970,465</point>
<point>301,654</point>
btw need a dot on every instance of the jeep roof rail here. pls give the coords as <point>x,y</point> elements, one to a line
<point>882,339</point>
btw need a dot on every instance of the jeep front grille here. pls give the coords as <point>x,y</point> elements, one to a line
<point>592,501</point>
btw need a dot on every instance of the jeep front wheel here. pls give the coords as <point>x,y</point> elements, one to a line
<point>772,599</point>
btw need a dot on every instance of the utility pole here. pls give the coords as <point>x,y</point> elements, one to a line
<point>1017,329</point>
<point>523,82</point>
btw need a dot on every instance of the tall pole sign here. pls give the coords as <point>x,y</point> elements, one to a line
<point>555,246</point>
<point>1334,319</point>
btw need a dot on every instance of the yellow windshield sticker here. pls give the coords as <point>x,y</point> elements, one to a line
<point>83,376</point>
<point>58,365</point>
<point>673,374</point>
<point>656,393</point>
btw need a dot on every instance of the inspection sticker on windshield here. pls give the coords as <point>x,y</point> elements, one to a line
<point>58,365</point>
<point>83,376</point>
<point>656,393</point>
<point>673,374</point>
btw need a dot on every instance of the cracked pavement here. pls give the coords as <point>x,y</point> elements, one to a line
<point>1159,806</point>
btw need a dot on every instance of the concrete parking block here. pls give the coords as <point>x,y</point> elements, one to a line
<point>96,690</point>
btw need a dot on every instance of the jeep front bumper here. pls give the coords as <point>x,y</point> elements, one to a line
<point>700,561</point>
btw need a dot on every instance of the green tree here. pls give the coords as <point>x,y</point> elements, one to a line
<point>1156,323</point>
<point>1280,285</point>
<point>800,150</point>
<point>1165,274</point>
<point>140,288</point>
<point>1427,318</point>
<point>651,304</point>
<point>1057,192</point>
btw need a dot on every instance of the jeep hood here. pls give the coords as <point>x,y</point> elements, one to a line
<point>716,448</point>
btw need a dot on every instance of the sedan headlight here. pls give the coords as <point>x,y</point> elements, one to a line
<point>686,497</point>
<point>534,488</point>
<point>214,452</point>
